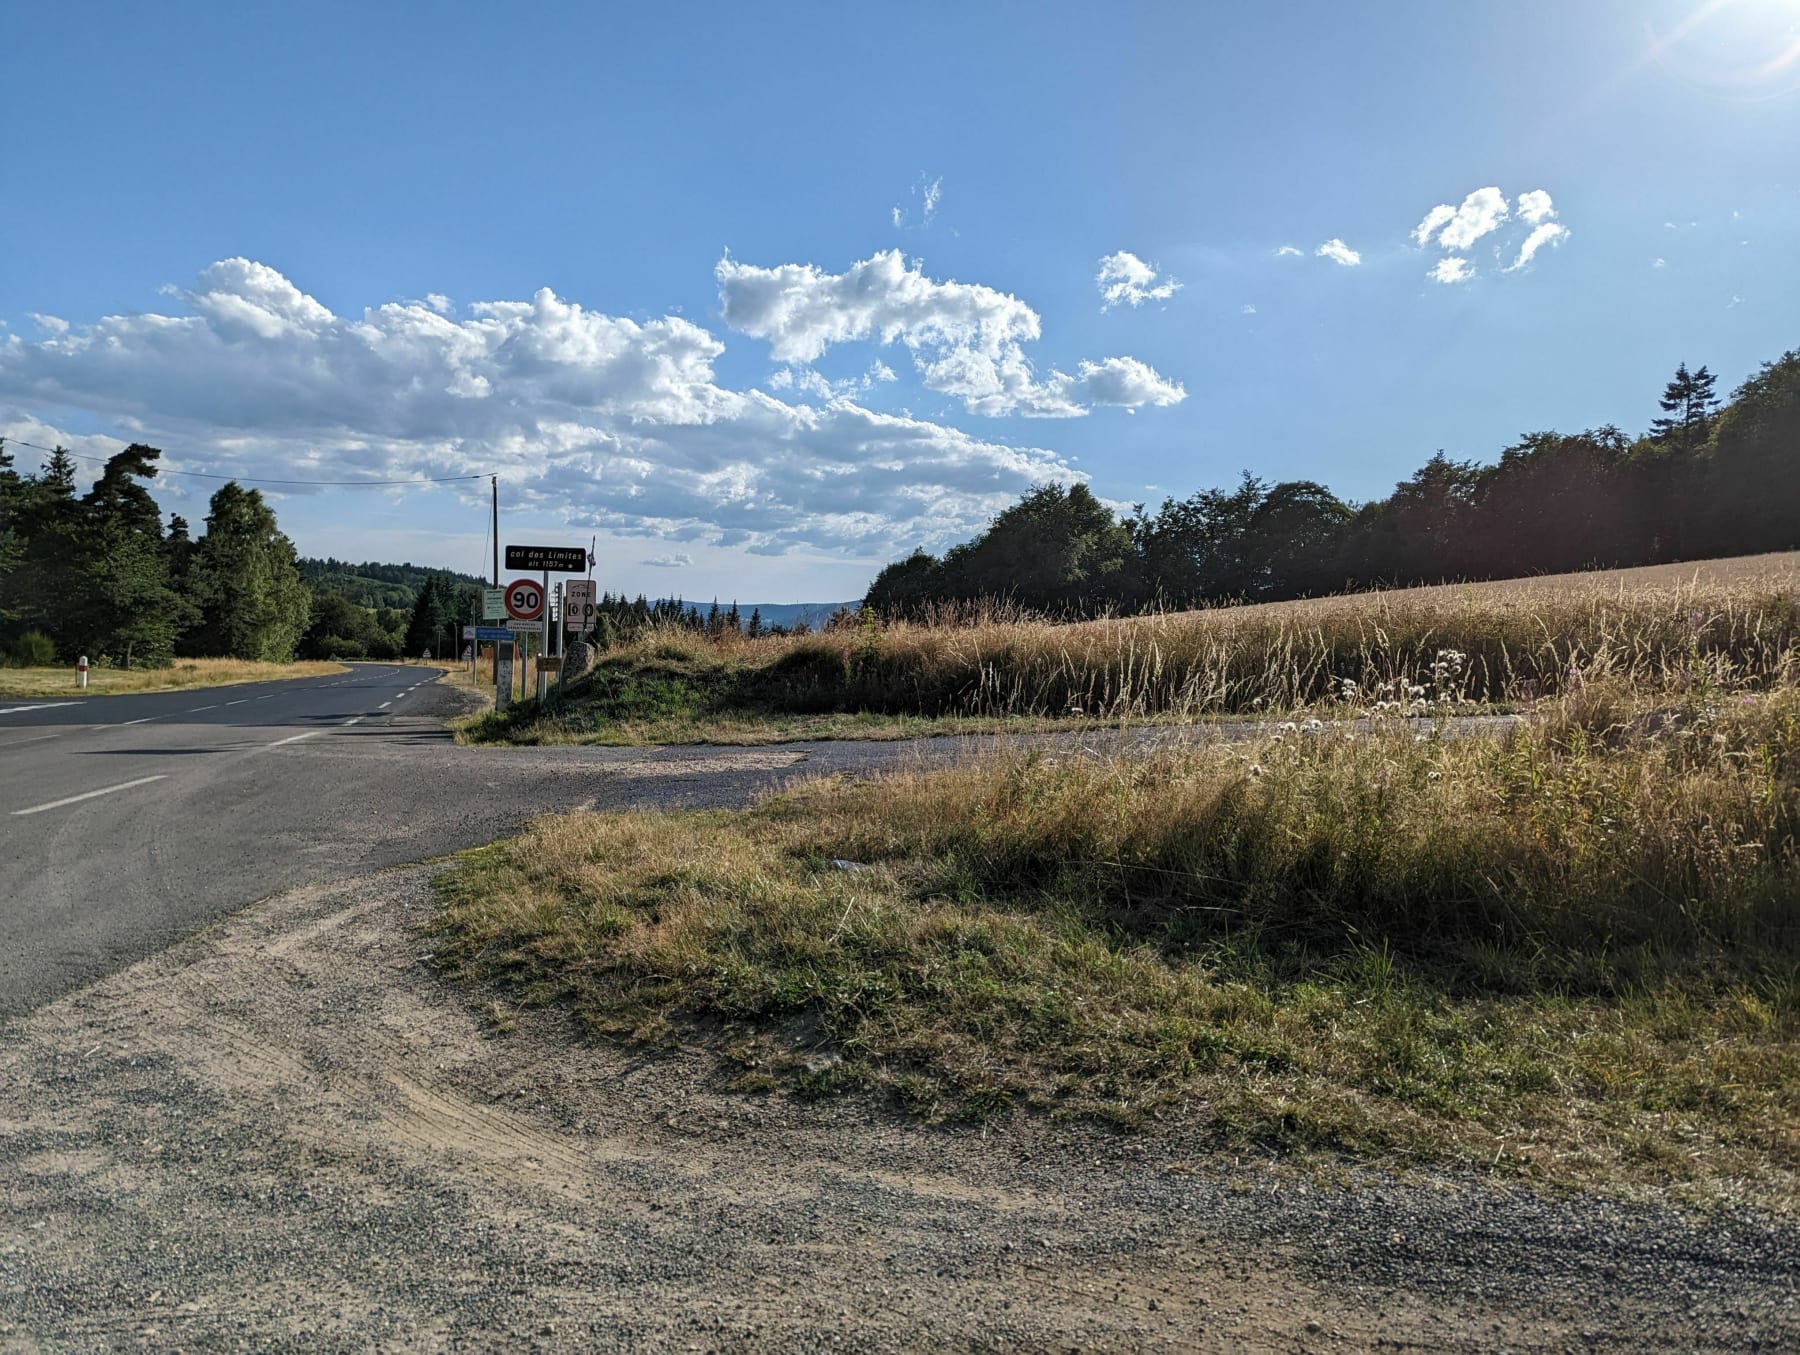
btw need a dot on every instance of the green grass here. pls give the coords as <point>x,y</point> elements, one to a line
<point>1571,953</point>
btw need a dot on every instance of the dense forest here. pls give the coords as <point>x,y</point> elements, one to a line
<point>99,574</point>
<point>1705,480</point>
<point>375,585</point>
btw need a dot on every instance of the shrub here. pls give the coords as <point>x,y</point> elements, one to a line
<point>33,649</point>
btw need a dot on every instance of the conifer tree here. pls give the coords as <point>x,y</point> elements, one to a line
<point>253,602</point>
<point>1688,408</point>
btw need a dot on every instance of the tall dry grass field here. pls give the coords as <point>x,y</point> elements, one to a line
<point>1572,951</point>
<point>1666,631</point>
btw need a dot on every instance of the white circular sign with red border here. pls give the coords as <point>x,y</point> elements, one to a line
<point>524,599</point>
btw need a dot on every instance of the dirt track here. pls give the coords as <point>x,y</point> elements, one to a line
<point>289,1133</point>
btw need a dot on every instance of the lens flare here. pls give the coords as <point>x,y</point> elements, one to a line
<point>1743,49</point>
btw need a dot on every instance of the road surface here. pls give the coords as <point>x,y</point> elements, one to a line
<point>129,822</point>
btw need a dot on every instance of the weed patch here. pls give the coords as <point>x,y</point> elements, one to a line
<point>1562,954</point>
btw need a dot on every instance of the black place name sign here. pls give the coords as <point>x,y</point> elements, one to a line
<point>555,559</point>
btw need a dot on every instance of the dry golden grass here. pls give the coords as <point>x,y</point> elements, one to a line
<point>1663,630</point>
<point>184,673</point>
<point>1571,952</point>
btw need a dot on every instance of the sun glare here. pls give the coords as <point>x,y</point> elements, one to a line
<point>1740,48</point>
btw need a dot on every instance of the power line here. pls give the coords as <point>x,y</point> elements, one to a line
<point>251,480</point>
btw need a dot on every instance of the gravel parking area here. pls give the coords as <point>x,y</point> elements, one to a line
<point>290,1133</point>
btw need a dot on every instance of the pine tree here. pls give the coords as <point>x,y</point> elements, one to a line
<point>755,628</point>
<point>1688,408</point>
<point>43,592</point>
<point>427,623</point>
<point>253,602</point>
<point>13,527</point>
<point>125,606</point>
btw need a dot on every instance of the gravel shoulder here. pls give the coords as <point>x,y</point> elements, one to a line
<point>289,1133</point>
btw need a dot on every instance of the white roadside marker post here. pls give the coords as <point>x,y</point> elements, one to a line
<point>81,672</point>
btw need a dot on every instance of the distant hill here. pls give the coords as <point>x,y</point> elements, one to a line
<point>778,613</point>
<point>371,584</point>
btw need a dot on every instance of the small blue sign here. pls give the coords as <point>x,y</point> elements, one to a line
<point>495,635</point>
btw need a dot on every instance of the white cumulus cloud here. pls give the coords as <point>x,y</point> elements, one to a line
<point>967,340</point>
<point>1124,382</point>
<point>1550,233</point>
<point>1290,252</point>
<point>1339,253</point>
<point>613,423</point>
<point>679,560</point>
<point>1535,206</point>
<point>1125,278</point>
<point>1481,213</point>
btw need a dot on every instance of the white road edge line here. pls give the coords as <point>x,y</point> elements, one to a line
<point>295,739</point>
<point>352,720</point>
<point>88,795</point>
<point>195,710</point>
<point>142,719</point>
<point>384,705</point>
<point>42,705</point>
<point>241,701</point>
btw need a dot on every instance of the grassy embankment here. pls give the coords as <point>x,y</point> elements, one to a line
<point>1518,641</point>
<point>1572,952</point>
<point>59,681</point>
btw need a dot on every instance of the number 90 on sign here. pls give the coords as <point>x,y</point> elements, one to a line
<point>524,599</point>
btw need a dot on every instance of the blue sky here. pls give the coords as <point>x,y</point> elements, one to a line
<point>765,296</point>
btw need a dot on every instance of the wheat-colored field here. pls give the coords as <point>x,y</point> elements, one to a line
<point>1663,630</point>
<point>1567,951</point>
<point>60,680</point>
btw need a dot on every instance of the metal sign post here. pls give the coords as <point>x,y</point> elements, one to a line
<point>543,675</point>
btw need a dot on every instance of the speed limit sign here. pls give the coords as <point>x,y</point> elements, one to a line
<point>524,599</point>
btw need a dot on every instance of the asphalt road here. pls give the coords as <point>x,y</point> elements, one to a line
<point>130,822</point>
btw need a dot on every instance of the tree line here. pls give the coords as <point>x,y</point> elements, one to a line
<point>1703,481</point>
<point>618,619</point>
<point>99,574</point>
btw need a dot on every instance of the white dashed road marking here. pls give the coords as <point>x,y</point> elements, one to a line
<point>44,705</point>
<point>88,795</point>
<point>295,739</point>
